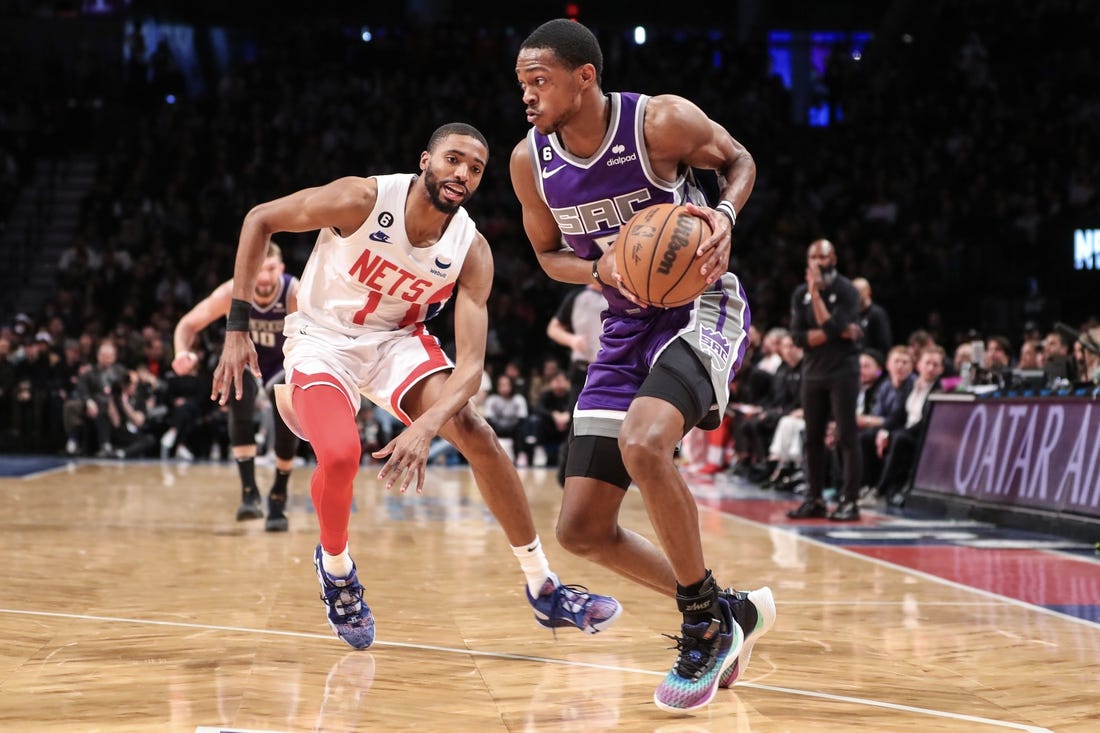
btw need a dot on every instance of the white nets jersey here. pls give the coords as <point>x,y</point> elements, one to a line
<point>373,279</point>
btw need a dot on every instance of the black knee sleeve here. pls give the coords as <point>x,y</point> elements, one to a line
<point>598,457</point>
<point>286,442</point>
<point>242,414</point>
<point>679,378</point>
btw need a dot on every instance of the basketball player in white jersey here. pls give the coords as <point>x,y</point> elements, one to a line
<point>391,251</point>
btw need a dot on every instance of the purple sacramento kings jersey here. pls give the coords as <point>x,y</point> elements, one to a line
<point>265,324</point>
<point>591,198</point>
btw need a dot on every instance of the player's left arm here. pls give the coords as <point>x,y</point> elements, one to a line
<point>679,135</point>
<point>471,325</point>
<point>408,452</point>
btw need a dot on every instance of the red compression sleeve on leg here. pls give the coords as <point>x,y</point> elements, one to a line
<point>327,420</point>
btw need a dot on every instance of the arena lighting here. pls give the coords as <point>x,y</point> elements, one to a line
<point>639,35</point>
<point>572,11</point>
<point>366,35</point>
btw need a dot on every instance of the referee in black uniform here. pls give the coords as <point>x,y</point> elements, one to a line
<point>824,322</point>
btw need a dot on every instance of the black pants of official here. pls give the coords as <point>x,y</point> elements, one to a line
<point>835,399</point>
<point>898,463</point>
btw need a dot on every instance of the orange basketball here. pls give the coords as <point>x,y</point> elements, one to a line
<point>655,254</point>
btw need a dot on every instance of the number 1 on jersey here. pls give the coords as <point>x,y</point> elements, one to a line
<point>373,299</point>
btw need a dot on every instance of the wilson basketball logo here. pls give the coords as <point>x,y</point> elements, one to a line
<point>681,234</point>
<point>655,255</point>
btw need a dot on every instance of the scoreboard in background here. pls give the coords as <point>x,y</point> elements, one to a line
<point>1086,249</point>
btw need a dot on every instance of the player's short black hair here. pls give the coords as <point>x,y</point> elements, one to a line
<point>456,128</point>
<point>570,41</point>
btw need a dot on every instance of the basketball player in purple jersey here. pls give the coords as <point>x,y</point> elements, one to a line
<point>391,252</point>
<point>590,162</point>
<point>274,296</point>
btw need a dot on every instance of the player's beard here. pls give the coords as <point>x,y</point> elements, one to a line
<point>263,292</point>
<point>435,187</point>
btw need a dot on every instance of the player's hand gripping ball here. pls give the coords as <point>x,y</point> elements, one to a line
<point>655,255</point>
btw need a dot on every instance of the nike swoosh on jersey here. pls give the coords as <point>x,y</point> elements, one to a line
<point>547,173</point>
<point>380,237</point>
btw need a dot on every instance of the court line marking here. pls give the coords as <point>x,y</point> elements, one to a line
<point>44,472</point>
<point>912,571</point>
<point>897,706</point>
<point>543,660</point>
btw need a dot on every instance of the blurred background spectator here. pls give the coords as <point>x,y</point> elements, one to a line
<point>946,148</point>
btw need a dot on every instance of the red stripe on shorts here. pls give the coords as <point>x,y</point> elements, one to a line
<point>435,361</point>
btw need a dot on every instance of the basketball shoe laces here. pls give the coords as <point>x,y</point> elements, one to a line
<point>346,600</point>
<point>569,600</point>
<point>696,656</point>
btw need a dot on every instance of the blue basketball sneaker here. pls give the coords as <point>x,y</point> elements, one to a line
<point>348,615</point>
<point>572,605</point>
<point>707,650</point>
<point>754,612</point>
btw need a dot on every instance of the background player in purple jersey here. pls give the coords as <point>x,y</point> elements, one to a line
<point>590,162</point>
<point>273,297</point>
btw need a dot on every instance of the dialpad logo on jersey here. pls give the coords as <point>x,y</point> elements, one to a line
<point>715,344</point>
<point>619,150</point>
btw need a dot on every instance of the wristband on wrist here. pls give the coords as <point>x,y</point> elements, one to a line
<point>727,208</point>
<point>596,272</point>
<point>239,311</point>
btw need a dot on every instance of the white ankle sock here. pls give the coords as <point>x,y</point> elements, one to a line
<point>338,566</point>
<point>533,562</point>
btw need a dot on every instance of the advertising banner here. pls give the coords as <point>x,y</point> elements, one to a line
<point>1038,453</point>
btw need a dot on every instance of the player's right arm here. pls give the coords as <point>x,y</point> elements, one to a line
<point>343,204</point>
<point>205,312</point>
<point>559,262</point>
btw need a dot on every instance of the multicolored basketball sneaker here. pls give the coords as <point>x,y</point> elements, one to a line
<point>572,605</point>
<point>348,615</point>
<point>707,649</point>
<point>754,612</point>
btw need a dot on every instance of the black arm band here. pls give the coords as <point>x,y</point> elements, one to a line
<point>239,312</point>
<point>596,272</point>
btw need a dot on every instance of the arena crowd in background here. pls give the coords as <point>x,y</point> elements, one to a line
<point>967,146</point>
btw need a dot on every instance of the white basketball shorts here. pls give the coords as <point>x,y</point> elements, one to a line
<point>381,366</point>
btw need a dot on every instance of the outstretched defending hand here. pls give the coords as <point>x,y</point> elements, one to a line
<point>408,454</point>
<point>238,354</point>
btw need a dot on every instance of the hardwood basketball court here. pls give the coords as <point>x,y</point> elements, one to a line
<point>132,601</point>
